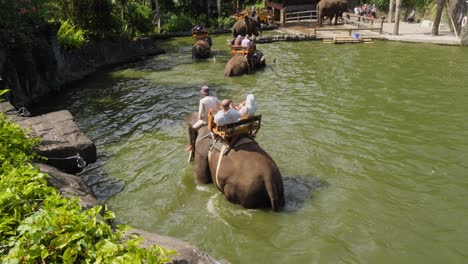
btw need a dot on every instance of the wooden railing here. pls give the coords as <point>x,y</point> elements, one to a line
<point>301,16</point>
<point>363,22</point>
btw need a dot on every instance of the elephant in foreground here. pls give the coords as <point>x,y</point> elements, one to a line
<point>246,175</point>
<point>240,64</point>
<point>245,26</point>
<point>201,49</point>
<point>330,9</point>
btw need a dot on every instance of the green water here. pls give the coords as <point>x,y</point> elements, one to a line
<point>371,139</point>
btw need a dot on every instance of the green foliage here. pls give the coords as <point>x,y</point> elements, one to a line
<point>2,92</point>
<point>39,226</point>
<point>139,17</point>
<point>70,37</point>
<point>178,23</point>
<point>225,22</point>
<point>15,146</point>
<point>96,17</point>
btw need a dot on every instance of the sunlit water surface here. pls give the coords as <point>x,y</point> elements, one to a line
<point>371,140</point>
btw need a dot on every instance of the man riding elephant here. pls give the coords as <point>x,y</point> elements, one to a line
<point>243,171</point>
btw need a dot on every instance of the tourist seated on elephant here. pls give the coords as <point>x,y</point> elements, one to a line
<point>227,114</point>
<point>246,41</point>
<point>238,40</point>
<point>207,103</point>
<point>248,108</point>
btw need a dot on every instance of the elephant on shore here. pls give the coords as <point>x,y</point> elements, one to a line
<point>201,49</point>
<point>246,175</point>
<point>239,64</point>
<point>245,26</point>
<point>330,9</point>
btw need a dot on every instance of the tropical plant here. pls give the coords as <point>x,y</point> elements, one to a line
<point>70,37</point>
<point>177,23</point>
<point>39,226</point>
<point>139,18</point>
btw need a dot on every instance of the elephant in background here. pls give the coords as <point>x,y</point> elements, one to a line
<point>330,9</point>
<point>245,26</point>
<point>201,49</point>
<point>247,175</point>
<point>240,64</point>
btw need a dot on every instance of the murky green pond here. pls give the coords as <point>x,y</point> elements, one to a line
<point>371,139</point>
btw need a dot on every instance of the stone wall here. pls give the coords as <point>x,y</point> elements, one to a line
<point>35,68</point>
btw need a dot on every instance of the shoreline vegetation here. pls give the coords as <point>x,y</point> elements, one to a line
<point>38,225</point>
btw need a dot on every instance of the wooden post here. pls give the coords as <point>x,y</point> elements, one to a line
<point>282,16</point>
<point>396,26</point>
<point>381,26</point>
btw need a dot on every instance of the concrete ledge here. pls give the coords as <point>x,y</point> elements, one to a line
<point>187,254</point>
<point>61,137</point>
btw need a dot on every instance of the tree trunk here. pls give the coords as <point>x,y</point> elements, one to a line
<point>396,26</point>
<point>438,15</point>
<point>156,15</point>
<point>390,11</point>
<point>218,5</point>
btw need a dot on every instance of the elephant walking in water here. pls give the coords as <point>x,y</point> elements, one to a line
<point>245,26</point>
<point>246,175</point>
<point>201,49</point>
<point>240,64</point>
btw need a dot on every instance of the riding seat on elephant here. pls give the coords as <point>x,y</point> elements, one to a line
<point>239,168</point>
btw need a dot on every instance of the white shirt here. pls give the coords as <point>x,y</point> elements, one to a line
<point>223,118</point>
<point>245,43</point>
<point>206,104</point>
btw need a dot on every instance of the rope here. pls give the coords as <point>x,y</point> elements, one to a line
<point>80,162</point>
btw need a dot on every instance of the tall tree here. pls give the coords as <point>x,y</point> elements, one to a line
<point>396,26</point>
<point>390,11</point>
<point>438,15</point>
<point>218,5</point>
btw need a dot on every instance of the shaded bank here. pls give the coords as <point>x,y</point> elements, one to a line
<point>37,66</point>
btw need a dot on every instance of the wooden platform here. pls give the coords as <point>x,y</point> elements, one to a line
<point>346,39</point>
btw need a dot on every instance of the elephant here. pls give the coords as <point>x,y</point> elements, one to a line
<point>201,49</point>
<point>246,175</point>
<point>330,9</point>
<point>240,64</point>
<point>245,26</point>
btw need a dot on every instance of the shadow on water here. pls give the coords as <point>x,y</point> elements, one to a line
<point>298,189</point>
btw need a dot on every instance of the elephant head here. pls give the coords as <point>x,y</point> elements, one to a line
<point>201,49</point>
<point>246,174</point>
<point>240,65</point>
<point>245,26</point>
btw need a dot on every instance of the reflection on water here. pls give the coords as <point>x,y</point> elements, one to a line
<point>370,139</point>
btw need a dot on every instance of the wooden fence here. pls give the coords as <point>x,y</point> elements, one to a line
<point>300,16</point>
<point>363,22</point>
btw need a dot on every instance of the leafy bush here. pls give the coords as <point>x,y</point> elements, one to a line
<point>139,18</point>
<point>39,226</point>
<point>70,37</point>
<point>226,22</point>
<point>178,23</point>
